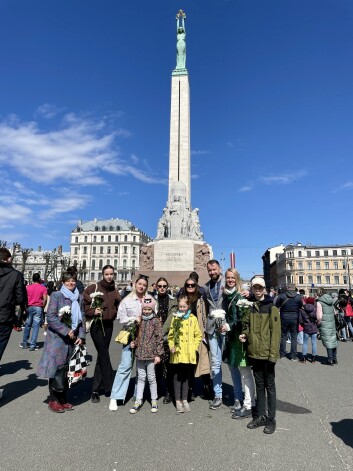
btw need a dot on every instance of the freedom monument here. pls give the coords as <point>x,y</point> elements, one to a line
<point>179,247</point>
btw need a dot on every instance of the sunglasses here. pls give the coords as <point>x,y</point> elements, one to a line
<point>190,285</point>
<point>162,286</point>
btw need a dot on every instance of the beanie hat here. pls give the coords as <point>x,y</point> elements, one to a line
<point>148,301</point>
<point>310,301</point>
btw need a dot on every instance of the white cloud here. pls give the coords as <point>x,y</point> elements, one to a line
<point>284,178</point>
<point>245,188</point>
<point>200,152</point>
<point>14,213</point>
<point>47,110</point>
<point>230,144</point>
<point>195,176</point>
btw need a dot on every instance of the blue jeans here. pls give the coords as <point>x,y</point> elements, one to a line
<point>123,374</point>
<point>216,343</point>
<point>34,320</point>
<point>313,344</point>
<point>237,385</point>
<point>350,328</point>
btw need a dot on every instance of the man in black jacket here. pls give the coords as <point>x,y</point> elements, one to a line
<point>12,293</point>
<point>289,303</point>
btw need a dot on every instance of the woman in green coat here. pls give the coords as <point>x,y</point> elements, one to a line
<point>235,352</point>
<point>326,322</point>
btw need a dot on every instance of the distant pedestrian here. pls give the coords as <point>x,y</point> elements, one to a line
<point>37,299</point>
<point>308,320</point>
<point>12,293</point>
<point>327,325</point>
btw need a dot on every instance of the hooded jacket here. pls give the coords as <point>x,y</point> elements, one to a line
<point>292,306</point>
<point>307,319</point>
<point>12,293</point>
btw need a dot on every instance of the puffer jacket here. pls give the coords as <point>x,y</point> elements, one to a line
<point>12,293</point>
<point>307,319</point>
<point>149,340</point>
<point>262,326</point>
<point>327,325</point>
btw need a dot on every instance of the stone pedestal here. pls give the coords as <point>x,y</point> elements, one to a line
<point>175,260</point>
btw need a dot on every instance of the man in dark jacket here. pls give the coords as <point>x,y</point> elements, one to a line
<point>12,294</point>
<point>289,303</point>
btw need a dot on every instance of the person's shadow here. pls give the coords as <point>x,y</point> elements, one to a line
<point>343,430</point>
<point>16,389</point>
<point>14,366</point>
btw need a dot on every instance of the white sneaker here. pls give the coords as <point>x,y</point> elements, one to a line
<point>113,404</point>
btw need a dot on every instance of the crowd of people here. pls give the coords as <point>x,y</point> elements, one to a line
<point>174,339</point>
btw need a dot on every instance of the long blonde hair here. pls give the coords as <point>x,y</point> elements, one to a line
<point>235,273</point>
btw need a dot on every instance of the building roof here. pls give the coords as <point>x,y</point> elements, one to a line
<point>109,225</point>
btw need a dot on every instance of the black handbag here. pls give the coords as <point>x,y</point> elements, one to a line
<point>340,322</point>
<point>59,383</point>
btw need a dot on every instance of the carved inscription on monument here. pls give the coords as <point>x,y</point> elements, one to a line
<point>174,256</point>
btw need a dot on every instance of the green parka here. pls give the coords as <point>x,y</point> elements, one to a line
<point>262,326</point>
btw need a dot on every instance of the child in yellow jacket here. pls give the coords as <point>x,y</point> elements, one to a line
<point>184,339</point>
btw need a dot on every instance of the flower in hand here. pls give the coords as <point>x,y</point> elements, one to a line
<point>172,350</point>
<point>242,338</point>
<point>157,360</point>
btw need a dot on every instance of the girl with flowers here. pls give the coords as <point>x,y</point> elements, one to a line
<point>184,338</point>
<point>235,352</point>
<point>101,301</point>
<point>65,329</point>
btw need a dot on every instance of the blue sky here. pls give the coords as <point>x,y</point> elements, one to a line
<point>84,119</point>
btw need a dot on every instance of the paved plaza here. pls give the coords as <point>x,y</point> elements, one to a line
<point>314,424</point>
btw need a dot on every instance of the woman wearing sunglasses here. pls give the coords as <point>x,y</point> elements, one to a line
<point>165,305</point>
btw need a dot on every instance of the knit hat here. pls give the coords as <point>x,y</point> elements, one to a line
<point>310,301</point>
<point>148,301</point>
<point>258,281</point>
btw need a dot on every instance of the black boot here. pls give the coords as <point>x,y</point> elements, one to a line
<point>303,359</point>
<point>313,359</point>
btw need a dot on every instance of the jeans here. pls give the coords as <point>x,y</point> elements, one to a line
<point>264,375</point>
<point>313,338</point>
<point>34,319</point>
<point>216,343</point>
<point>248,385</point>
<point>123,374</point>
<point>289,323</point>
<point>5,332</point>
<point>236,379</point>
<point>350,328</point>
<point>146,368</point>
<point>300,338</point>
<point>103,372</point>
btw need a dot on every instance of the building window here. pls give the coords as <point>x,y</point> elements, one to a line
<point>318,279</point>
<point>116,238</point>
<point>317,264</point>
<point>75,251</point>
<point>335,265</point>
<point>108,261</point>
<point>344,279</point>
<point>327,279</point>
<point>94,250</point>
<point>125,238</point>
<point>118,228</point>
<point>344,266</point>
<point>111,228</point>
<point>100,263</point>
<point>85,239</point>
<point>94,238</point>
<point>109,238</point>
<point>103,228</point>
<point>310,279</point>
<point>310,266</point>
<point>134,250</point>
<point>327,265</point>
<point>115,263</point>
<point>93,264</point>
<point>134,239</point>
<point>76,240</point>
<point>92,276</point>
<point>300,253</point>
<point>124,263</point>
<point>101,250</point>
<point>85,250</point>
<point>102,238</point>
<point>109,250</point>
<point>336,280</point>
<point>133,264</point>
<point>351,251</point>
<point>308,253</point>
<point>317,253</point>
<point>125,249</point>
<point>116,249</point>
<point>96,228</point>
<point>301,280</point>
<point>325,253</point>
<point>334,252</point>
<point>100,276</point>
<point>344,252</point>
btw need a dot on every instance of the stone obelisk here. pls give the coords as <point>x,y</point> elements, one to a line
<point>179,247</point>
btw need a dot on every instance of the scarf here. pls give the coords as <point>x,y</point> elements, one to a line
<point>76,314</point>
<point>147,318</point>
<point>229,291</point>
<point>107,286</point>
<point>186,316</point>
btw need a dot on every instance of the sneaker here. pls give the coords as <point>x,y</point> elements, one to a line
<point>113,405</point>
<point>23,345</point>
<point>55,406</point>
<point>34,349</point>
<point>236,407</point>
<point>135,408</point>
<point>216,403</point>
<point>243,413</point>
<point>154,407</point>
<point>259,422</point>
<point>186,406</point>
<point>95,397</point>
<point>179,406</point>
<point>270,426</point>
